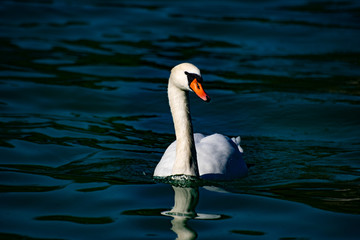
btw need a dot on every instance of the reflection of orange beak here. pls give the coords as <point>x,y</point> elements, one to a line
<point>198,89</point>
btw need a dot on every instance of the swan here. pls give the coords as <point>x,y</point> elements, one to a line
<point>209,157</point>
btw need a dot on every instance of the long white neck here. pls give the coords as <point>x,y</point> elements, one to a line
<point>185,162</point>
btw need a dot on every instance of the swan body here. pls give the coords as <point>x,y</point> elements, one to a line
<point>210,157</point>
<point>219,157</point>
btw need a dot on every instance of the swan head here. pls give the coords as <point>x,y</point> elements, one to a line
<point>187,77</point>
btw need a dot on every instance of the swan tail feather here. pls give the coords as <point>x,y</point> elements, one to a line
<point>237,141</point>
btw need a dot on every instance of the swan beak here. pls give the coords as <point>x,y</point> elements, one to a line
<point>198,89</point>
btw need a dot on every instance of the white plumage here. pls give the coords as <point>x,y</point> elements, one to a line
<point>218,156</point>
<point>210,157</point>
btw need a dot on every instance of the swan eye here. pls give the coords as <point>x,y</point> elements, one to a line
<point>192,76</point>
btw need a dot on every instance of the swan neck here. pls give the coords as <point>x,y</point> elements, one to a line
<point>185,162</point>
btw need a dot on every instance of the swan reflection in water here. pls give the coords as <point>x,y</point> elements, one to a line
<point>185,202</point>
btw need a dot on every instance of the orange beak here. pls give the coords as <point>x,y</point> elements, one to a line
<point>198,89</point>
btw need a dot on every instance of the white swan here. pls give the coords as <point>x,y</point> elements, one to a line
<point>210,157</point>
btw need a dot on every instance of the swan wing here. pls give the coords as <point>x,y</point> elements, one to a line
<point>165,166</point>
<point>220,157</point>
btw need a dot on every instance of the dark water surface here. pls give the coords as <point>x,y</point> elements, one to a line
<point>84,117</point>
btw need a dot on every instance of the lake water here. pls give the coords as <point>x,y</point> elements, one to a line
<point>85,119</point>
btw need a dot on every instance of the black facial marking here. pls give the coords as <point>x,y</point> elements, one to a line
<point>192,76</point>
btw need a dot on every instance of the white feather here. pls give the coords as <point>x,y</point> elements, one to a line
<point>212,157</point>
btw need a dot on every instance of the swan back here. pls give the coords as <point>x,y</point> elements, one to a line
<point>220,158</point>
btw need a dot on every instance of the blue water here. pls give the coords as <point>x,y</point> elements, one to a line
<point>84,117</point>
